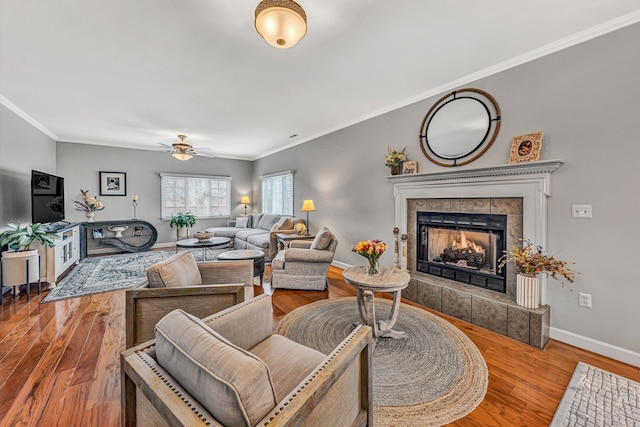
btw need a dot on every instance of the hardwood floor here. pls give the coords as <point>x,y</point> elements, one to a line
<point>59,363</point>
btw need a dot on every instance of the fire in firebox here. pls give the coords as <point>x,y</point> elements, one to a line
<point>463,253</point>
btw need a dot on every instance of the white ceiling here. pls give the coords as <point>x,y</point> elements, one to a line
<point>136,73</point>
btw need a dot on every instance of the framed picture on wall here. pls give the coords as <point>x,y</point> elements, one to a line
<point>525,148</point>
<point>113,183</point>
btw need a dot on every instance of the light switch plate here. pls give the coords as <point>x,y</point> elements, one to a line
<point>581,211</point>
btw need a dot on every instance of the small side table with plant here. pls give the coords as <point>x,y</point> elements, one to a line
<point>529,263</point>
<point>21,263</point>
<point>183,221</point>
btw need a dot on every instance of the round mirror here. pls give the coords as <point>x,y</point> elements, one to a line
<point>460,127</point>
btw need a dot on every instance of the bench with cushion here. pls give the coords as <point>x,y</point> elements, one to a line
<point>230,370</point>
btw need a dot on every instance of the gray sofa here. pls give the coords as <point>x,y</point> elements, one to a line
<point>259,232</point>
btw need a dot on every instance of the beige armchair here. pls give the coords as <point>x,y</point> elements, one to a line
<point>229,369</point>
<point>305,264</point>
<point>200,288</point>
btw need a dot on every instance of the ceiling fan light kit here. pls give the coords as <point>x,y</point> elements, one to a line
<point>282,23</point>
<point>182,150</point>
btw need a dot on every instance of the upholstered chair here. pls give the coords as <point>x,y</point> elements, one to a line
<point>229,369</point>
<point>200,288</point>
<point>305,264</point>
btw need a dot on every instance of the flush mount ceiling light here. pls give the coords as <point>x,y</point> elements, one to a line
<point>282,23</point>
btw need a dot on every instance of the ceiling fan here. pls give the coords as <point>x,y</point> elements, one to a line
<point>182,150</point>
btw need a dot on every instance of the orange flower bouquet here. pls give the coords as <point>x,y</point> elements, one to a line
<point>372,250</point>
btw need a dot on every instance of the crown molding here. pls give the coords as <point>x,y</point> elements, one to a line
<point>564,43</point>
<point>17,110</point>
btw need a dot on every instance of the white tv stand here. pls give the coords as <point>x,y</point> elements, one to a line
<point>66,252</point>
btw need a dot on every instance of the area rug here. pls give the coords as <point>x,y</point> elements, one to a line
<point>109,273</point>
<point>595,397</point>
<point>434,376</point>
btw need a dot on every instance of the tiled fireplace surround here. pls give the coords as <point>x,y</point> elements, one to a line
<point>520,192</point>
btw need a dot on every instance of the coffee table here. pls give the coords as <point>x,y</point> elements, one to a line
<point>214,242</point>
<point>389,280</point>
<point>239,254</point>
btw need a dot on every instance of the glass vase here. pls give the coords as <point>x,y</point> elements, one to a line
<point>373,268</point>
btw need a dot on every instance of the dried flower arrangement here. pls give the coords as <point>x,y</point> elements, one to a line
<point>532,262</point>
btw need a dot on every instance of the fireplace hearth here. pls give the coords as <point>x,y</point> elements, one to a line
<point>462,247</point>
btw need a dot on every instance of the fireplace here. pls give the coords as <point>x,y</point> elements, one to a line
<point>462,247</point>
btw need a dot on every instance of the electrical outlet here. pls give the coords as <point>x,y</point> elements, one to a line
<point>585,300</point>
<point>581,211</point>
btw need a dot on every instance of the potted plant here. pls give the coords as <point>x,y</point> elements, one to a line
<point>19,240</point>
<point>394,160</point>
<point>529,263</point>
<point>183,221</point>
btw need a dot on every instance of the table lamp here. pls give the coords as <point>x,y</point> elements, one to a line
<point>246,201</point>
<point>307,206</point>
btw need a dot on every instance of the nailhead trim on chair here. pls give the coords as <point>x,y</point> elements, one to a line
<point>153,365</point>
<point>319,369</point>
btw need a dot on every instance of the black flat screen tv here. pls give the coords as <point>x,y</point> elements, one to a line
<point>47,197</point>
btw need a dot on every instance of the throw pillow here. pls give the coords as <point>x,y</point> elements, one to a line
<point>179,270</point>
<point>232,384</point>
<point>242,222</point>
<point>322,240</point>
<point>285,223</point>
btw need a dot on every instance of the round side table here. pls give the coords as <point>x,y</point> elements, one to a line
<point>239,254</point>
<point>389,280</point>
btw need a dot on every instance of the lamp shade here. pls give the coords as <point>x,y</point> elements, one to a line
<point>182,156</point>
<point>307,206</point>
<point>245,200</point>
<point>282,23</point>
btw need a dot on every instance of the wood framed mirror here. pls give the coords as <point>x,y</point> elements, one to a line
<point>460,127</point>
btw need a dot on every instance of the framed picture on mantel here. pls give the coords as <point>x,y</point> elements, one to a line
<point>113,183</point>
<point>525,148</point>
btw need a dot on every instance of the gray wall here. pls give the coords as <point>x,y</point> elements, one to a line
<point>586,99</point>
<point>22,148</point>
<point>80,165</point>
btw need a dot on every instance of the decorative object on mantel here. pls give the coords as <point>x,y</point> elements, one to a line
<point>529,263</point>
<point>113,183</point>
<point>460,127</point>
<point>372,250</point>
<point>409,167</point>
<point>394,160</point>
<point>89,205</point>
<point>525,148</point>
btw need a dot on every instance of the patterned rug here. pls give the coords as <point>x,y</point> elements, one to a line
<point>433,377</point>
<point>112,272</point>
<point>595,397</point>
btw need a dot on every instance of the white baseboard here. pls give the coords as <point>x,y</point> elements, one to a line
<point>603,348</point>
<point>339,264</point>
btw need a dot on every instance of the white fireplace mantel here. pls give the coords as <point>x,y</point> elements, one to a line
<point>530,181</point>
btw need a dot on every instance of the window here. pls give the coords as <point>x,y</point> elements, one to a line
<point>277,193</point>
<point>203,196</point>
